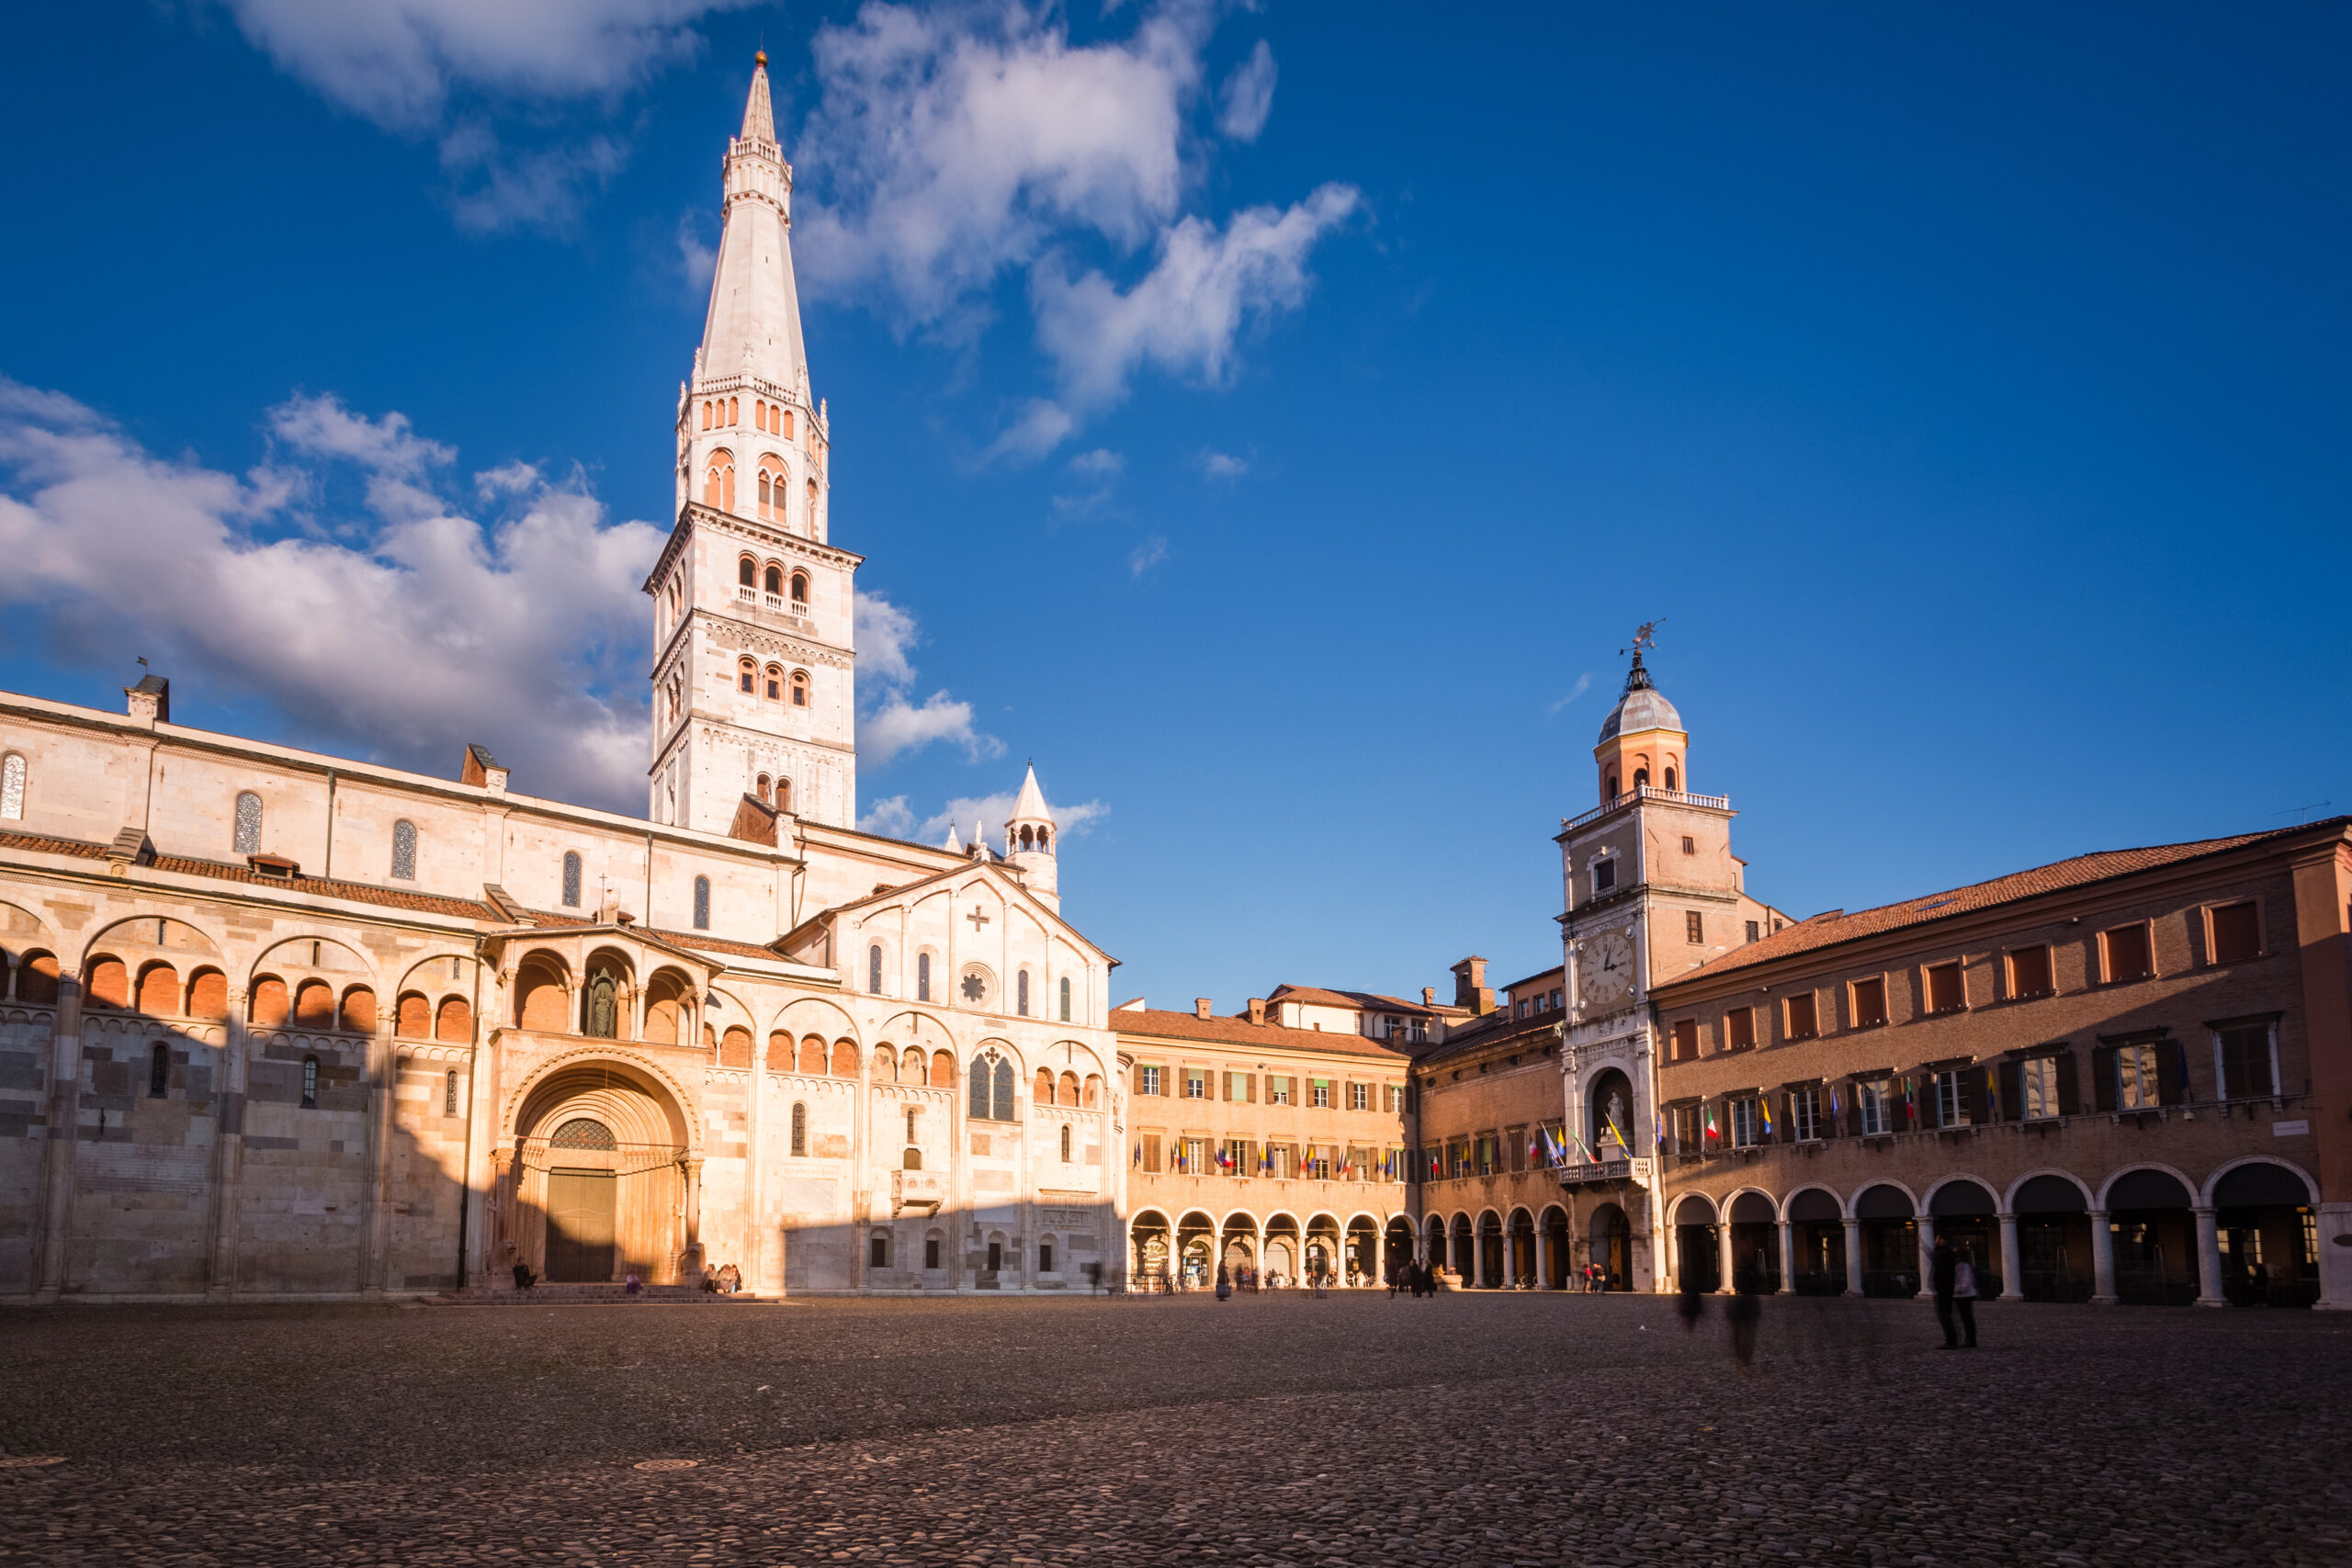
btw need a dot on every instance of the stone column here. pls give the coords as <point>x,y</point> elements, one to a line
<point>229,1153</point>
<point>755,1229</point>
<point>2012,1260</point>
<point>2102,1260</point>
<point>1788,1258</point>
<point>1477,1257</point>
<point>2208,1260</point>
<point>1542,1257</point>
<point>498,1222</point>
<point>59,1130</point>
<point>1726,1254</point>
<point>1853,1256</point>
<point>691,1273</point>
<point>1926,1223</point>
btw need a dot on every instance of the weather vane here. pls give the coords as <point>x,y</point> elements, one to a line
<point>1644,636</point>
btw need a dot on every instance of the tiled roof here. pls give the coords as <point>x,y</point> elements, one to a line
<point>226,871</point>
<point>1241,1031</point>
<point>2082,871</point>
<point>542,919</point>
<point>1499,1029</point>
<point>1317,996</point>
<point>38,845</point>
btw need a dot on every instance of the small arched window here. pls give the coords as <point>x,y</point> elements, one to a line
<point>1065,1143</point>
<point>572,879</point>
<point>1641,778</point>
<point>702,903</point>
<point>979,1096</point>
<point>873,969</point>
<point>159,1071</point>
<point>1669,778</point>
<point>248,823</point>
<point>1065,998</point>
<point>404,850</point>
<point>1003,1096</point>
<point>799,1127</point>
<point>706,413</point>
<point>1021,993</point>
<point>772,682</point>
<point>784,795</point>
<point>922,976</point>
<point>762,787</point>
<point>1612,787</point>
<point>719,481</point>
<point>449,1094</point>
<point>801,688</point>
<point>11,787</point>
<point>774,581</point>
<point>747,675</point>
<point>734,411</point>
<point>800,589</point>
<point>747,572</point>
<point>309,1083</point>
<point>812,509</point>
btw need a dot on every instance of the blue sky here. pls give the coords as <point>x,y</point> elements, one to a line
<point>1965,392</point>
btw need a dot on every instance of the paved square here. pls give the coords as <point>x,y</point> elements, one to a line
<point>1464,1430</point>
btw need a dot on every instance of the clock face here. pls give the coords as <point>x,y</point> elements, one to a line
<point>1607,973</point>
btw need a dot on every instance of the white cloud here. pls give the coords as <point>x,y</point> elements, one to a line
<point>1247,96</point>
<point>1584,684</point>
<point>990,810</point>
<point>1222,466</point>
<point>1186,313</point>
<point>494,187</point>
<point>1098,472</point>
<point>398,62</point>
<point>890,723</point>
<point>1100,463</point>
<point>888,817</point>
<point>508,479</point>
<point>1146,556</point>
<point>413,630</point>
<point>696,261</point>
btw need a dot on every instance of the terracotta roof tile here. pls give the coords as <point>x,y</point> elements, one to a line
<point>1837,927</point>
<point>1318,996</point>
<point>1162,1025</point>
<point>1499,1029</point>
<point>40,845</point>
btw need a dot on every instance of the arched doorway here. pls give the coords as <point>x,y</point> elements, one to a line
<point>598,1184</point>
<point>1282,1250</point>
<point>1698,1259</point>
<point>1152,1257</point>
<point>1755,1246</point>
<point>1465,1270</point>
<point>2263,1224</point>
<point>1612,1247</point>
<point>1964,1212</point>
<point>1521,1251</point>
<point>1398,1248</point>
<point>2156,1240</point>
<point>1240,1252</point>
<point>2053,1241</point>
<point>1819,1240</point>
<point>1363,1251</point>
<point>1195,1251</point>
<point>1433,1241</point>
<point>1322,1248</point>
<point>1890,1242</point>
<point>1555,1248</point>
<point>1490,1250</point>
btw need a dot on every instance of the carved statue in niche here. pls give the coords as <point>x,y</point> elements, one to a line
<point>604,1011</point>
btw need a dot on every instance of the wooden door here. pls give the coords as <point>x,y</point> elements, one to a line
<point>580,1225</point>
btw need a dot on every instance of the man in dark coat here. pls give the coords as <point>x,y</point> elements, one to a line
<point>1943,1275</point>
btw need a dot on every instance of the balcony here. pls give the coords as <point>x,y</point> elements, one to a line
<point>772,603</point>
<point>1643,792</point>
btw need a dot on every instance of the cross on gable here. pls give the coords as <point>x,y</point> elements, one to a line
<point>978,919</point>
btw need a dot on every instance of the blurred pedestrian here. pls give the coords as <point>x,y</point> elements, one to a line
<point>1690,1306</point>
<point>1224,1284</point>
<point>1964,1297</point>
<point>1943,1278</point>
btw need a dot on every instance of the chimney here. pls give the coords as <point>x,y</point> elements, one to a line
<point>482,770</point>
<point>1428,996</point>
<point>151,700</point>
<point>1200,1006</point>
<point>1256,1009</point>
<point>1470,987</point>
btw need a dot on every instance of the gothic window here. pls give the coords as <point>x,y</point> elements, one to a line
<point>873,969</point>
<point>772,683</point>
<point>449,1094</point>
<point>702,903</point>
<point>800,589</point>
<point>747,675</point>
<point>1021,991</point>
<point>799,1127</point>
<point>404,850</point>
<point>979,1096</point>
<point>747,572</point>
<point>572,879</point>
<point>11,787</point>
<point>309,1083</point>
<point>159,1071</point>
<point>248,823</point>
<point>771,491</point>
<point>1004,1095</point>
<point>801,688</point>
<point>719,481</point>
<point>1065,998</point>
<point>922,976</point>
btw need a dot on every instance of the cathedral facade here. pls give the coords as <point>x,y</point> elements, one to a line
<point>281,1024</point>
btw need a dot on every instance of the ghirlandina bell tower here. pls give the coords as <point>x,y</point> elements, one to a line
<point>752,615</point>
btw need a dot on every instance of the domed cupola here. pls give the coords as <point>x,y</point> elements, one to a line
<point>1642,743</point>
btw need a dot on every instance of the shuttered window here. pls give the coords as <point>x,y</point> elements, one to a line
<point>2127,953</point>
<point>1869,1003</point>
<point>2237,933</point>
<point>1945,993</point>
<point>2029,972</point>
<point>1739,1028</point>
<point>1803,1022</point>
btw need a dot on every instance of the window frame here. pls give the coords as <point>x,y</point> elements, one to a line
<point>2213,913</point>
<point>15,781</point>
<point>2106,952</point>
<point>1682,1040</point>
<point>403,850</point>
<point>1812,1001</point>
<point>1804,1113</point>
<point>702,903</point>
<point>1874,1102</point>
<point>1739,1020</point>
<point>2043,1066</point>
<point>2049,971</point>
<point>1854,989</point>
<point>1959,972</point>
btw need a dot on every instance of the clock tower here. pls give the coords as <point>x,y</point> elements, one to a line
<point>1650,889</point>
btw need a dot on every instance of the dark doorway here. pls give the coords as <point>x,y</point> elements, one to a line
<point>580,1225</point>
<point>1612,1247</point>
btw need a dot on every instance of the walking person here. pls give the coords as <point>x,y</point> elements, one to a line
<point>1224,1284</point>
<point>1964,1297</point>
<point>1943,1278</point>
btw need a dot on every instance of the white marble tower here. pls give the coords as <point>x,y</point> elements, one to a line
<point>753,689</point>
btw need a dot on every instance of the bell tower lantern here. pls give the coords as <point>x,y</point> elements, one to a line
<point>1642,743</point>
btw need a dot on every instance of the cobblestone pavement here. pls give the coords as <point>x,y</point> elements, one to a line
<point>1463,1431</point>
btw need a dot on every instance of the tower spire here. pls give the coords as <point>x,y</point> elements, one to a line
<point>759,119</point>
